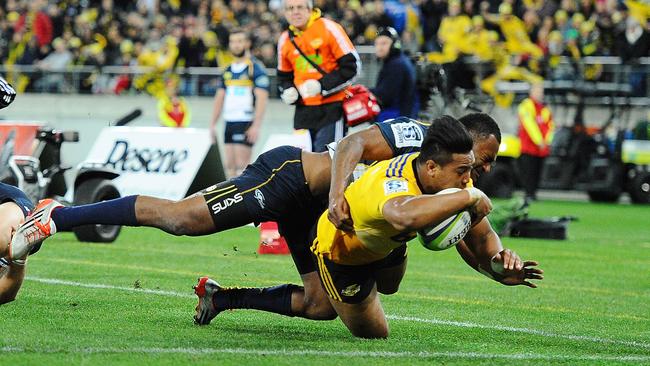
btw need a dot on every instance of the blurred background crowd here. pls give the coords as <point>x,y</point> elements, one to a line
<point>522,39</point>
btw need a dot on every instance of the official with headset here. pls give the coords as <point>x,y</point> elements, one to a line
<point>395,87</point>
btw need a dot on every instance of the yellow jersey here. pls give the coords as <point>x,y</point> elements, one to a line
<point>373,237</point>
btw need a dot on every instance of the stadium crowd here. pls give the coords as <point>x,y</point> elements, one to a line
<point>517,36</point>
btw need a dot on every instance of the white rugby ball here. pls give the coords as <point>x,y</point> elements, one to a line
<point>447,233</point>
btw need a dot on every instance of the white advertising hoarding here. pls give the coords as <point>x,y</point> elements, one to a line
<point>155,161</point>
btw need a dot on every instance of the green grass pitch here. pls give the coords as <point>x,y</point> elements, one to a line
<point>131,303</point>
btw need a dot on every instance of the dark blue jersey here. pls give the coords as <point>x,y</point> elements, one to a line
<point>403,135</point>
<point>10,193</point>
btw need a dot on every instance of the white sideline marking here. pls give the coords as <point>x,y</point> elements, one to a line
<point>521,330</point>
<point>393,317</point>
<point>386,354</point>
<point>109,287</point>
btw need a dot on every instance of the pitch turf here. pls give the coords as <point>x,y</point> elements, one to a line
<point>131,303</point>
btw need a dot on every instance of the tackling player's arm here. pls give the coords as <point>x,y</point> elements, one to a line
<point>482,250</point>
<point>368,144</point>
<point>11,281</point>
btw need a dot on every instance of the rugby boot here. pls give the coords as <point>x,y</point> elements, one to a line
<point>206,309</point>
<point>37,227</point>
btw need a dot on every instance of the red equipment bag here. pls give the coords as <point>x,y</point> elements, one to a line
<point>360,105</point>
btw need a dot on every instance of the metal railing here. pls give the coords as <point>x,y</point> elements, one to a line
<point>201,81</point>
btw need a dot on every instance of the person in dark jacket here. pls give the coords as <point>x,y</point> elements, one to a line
<point>395,87</point>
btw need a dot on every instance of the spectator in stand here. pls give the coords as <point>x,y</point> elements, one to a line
<point>514,31</point>
<point>452,35</point>
<point>632,44</point>
<point>267,55</point>
<point>190,54</point>
<point>395,87</point>
<point>36,22</point>
<point>54,65</point>
<point>433,12</point>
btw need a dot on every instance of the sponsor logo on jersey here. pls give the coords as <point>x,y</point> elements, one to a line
<point>351,290</point>
<point>407,134</point>
<point>259,196</point>
<point>394,186</point>
<point>227,202</point>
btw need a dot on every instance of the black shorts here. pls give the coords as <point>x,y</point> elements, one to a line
<point>352,284</point>
<point>235,133</point>
<point>273,188</point>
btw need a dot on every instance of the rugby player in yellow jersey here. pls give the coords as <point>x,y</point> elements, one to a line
<point>388,204</point>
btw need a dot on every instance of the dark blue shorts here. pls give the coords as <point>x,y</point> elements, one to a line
<point>273,188</point>
<point>10,193</point>
<point>235,133</point>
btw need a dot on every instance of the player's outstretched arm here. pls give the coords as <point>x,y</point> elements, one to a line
<point>482,250</point>
<point>367,144</point>
<point>10,283</point>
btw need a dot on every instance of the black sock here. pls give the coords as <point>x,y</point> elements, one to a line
<point>275,299</point>
<point>119,211</point>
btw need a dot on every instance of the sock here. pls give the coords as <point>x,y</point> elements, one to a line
<point>119,211</point>
<point>272,299</point>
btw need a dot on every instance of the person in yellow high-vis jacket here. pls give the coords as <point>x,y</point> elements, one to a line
<point>173,110</point>
<point>536,129</point>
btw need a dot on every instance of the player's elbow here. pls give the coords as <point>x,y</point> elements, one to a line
<point>402,220</point>
<point>350,143</point>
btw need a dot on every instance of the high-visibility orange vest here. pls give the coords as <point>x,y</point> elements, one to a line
<point>324,41</point>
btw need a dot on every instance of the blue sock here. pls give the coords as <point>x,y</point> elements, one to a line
<point>119,211</point>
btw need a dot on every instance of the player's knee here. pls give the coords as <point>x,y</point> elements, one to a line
<point>319,311</point>
<point>181,224</point>
<point>380,332</point>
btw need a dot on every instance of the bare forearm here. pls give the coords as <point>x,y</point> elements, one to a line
<point>11,282</point>
<point>480,245</point>
<point>467,255</point>
<point>416,212</point>
<point>368,144</point>
<point>261,100</point>
<point>218,105</point>
<point>348,154</point>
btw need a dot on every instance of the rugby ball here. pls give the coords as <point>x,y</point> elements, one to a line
<point>447,233</point>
